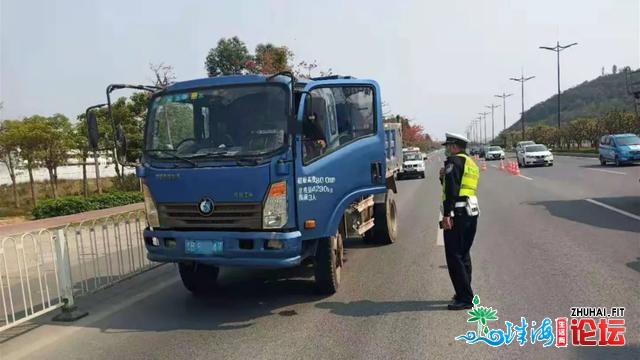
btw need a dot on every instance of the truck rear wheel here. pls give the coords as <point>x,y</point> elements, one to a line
<point>329,260</point>
<point>198,278</point>
<point>385,229</point>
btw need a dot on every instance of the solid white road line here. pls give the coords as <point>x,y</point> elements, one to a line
<point>495,166</point>
<point>628,214</point>
<point>525,177</point>
<point>609,171</point>
<point>439,235</point>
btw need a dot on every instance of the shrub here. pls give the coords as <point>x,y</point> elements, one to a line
<point>76,204</point>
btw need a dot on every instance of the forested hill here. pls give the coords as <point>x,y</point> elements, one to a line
<point>589,99</point>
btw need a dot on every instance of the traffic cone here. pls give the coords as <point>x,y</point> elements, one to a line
<point>484,165</point>
<point>501,168</point>
<point>511,168</point>
<point>517,170</point>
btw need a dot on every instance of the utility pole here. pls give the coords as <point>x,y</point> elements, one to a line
<point>522,79</point>
<point>484,117</point>
<point>504,109</point>
<point>557,49</point>
<point>492,107</point>
<point>476,127</point>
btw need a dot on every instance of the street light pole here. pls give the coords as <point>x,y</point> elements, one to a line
<point>557,49</point>
<point>484,117</point>
<point>492,107</point>
<point>522,79</point>
<point>504,109</point>
<point>475,130</point>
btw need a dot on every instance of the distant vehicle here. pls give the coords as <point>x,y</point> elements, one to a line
<point>536,154</point>
<point>474,151</point>
<point>619,148</point>
<point>495,153</point>
<point>521,144</point>
<point>412,164</point>
<point>483,151</point>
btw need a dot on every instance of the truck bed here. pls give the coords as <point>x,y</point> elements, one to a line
<point>393,147</point>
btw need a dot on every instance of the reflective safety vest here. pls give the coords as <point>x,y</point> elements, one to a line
<point>470,177</point>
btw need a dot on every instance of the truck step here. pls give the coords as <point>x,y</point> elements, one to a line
<point>364,204</point>
<point>365,227</point>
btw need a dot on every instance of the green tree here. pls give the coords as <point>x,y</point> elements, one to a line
<point>30,135</point>
<point>81,144</point>
<point>578,131</point>
<point>593,131</point>
<point>9,154</point>
<point>56,147</point>
<point>270,59</point>
<point>230,56</point>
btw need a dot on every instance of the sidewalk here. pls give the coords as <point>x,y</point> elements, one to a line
<point>35,225</point>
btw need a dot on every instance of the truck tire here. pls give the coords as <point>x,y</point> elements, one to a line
<point>199,279</point>
<point>385,229</point>
<point>329,260</point>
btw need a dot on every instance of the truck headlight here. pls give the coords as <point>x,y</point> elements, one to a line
<point>274,214</point>
<point>150,208</point>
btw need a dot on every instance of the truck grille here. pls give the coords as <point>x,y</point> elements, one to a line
<point>234,216</point>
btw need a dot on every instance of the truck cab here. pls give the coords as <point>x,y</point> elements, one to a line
<point>263,171</point>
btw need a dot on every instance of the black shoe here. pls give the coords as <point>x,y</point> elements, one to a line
<point>458,305</point>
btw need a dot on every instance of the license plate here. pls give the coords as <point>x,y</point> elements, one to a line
<point>203,247</point>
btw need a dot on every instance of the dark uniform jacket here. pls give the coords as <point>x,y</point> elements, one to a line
<point>453,170</point>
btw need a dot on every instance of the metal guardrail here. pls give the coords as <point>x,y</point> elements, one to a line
<point>45,270</point>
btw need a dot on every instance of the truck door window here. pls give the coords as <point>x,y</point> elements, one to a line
<point>343,114</point>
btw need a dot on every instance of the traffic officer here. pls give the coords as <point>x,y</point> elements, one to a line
<point>459,179</point>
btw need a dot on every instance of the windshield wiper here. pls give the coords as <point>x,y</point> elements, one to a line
<point>170,153</point>
<point>209,154</point>
<point>218,155</point>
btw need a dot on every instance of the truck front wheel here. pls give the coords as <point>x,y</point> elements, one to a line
<point>198,278</point>
<point>385,229</point>
<point>329,260</point>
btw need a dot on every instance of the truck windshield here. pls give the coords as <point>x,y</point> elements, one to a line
<point>218,122</point>
<point>412,157</point>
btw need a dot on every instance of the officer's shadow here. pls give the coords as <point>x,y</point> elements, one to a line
<point>365,308</point>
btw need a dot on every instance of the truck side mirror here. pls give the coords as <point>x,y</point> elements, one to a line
<point>309,115</point>
<point>92,127</point>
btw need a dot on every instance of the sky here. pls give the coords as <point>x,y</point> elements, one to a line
<point>438,62</point>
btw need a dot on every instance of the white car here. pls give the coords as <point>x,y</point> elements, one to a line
<point>536,154</point>
<point>522,144</point>
<point>494,153</point>
<point>412,165</point>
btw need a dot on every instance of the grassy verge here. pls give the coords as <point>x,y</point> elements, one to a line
<point>66,188</point>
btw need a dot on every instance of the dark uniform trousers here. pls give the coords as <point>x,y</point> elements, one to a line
<point>457,244</point>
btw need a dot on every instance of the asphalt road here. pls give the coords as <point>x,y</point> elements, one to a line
<point>541,249</point>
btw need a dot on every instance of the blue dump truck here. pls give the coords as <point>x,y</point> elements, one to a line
<point>262,171</point>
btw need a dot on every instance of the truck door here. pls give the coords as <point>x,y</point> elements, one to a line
<point>348,162</point>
